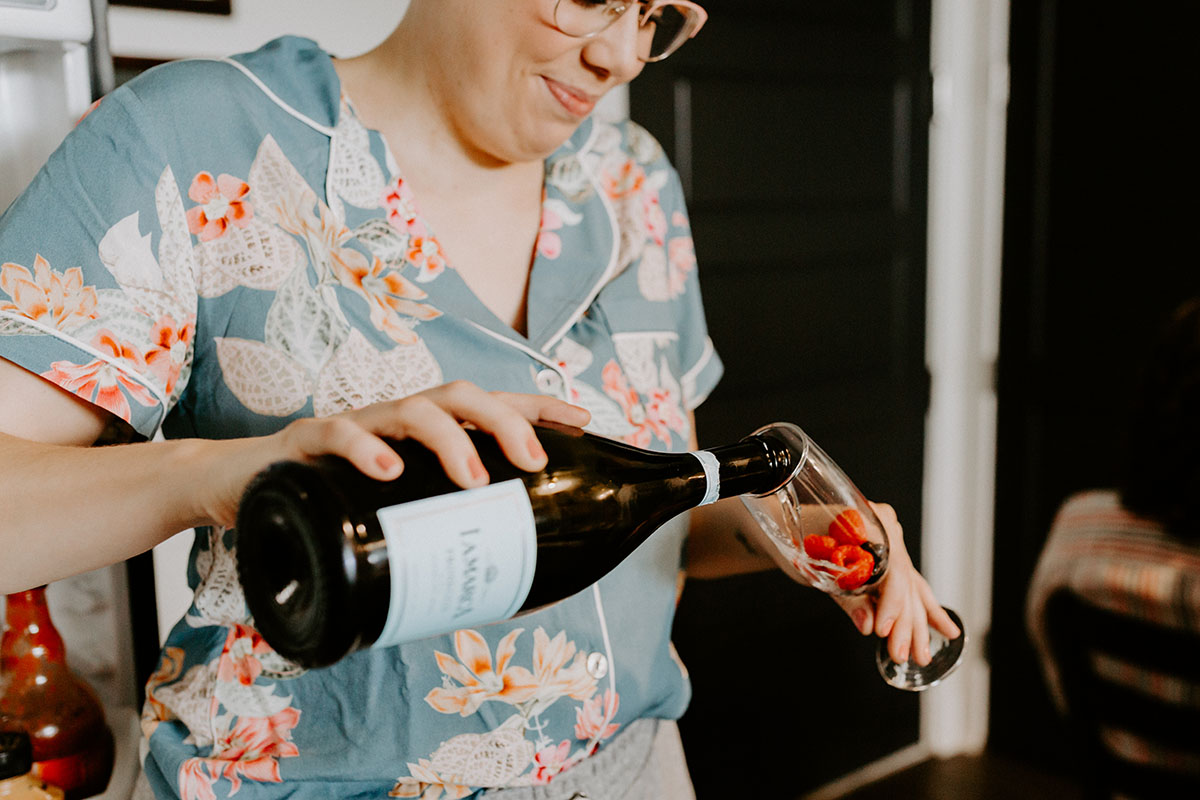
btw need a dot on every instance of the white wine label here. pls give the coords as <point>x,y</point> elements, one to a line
<point>712,474</point>
<point>457,560</point>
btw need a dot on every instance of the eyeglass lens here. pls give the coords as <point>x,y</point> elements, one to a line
<point>668,25</point>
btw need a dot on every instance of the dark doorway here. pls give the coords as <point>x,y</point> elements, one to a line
<point>1101,170</point>
<point>800,130</point>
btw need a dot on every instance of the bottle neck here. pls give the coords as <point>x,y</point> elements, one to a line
<point>755,465</point>
<point>28,626</point>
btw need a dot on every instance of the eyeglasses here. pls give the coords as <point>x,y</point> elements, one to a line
<point>663,25</point>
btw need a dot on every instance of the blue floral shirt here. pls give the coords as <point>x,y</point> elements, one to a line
<point>221,247</point>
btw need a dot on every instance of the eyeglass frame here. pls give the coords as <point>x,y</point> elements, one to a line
<point>642,14</point>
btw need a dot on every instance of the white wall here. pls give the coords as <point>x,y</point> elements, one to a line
<point>344,28</point>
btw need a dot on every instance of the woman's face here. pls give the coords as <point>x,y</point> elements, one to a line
<point>514,86</point>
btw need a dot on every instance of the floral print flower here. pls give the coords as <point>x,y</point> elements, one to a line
<point>60,301</point>
<point>401,208</point>
<point>169,349</point>
<point>628,179</point>
<point>425,253</point>
<point>222,204</point>
<point>554,675</point>
<point>478,677</point>
<point>102,381</point>
<point>593,720</point>
<point>681,260</point>
<point>655,418</point>
<point>551,761</point>
<point>250,750</point>
<point>239,658</point>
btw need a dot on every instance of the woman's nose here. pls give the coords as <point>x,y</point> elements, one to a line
<point>614,51</point>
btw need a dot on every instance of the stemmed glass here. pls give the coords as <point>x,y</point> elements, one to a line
<point>825,529</point>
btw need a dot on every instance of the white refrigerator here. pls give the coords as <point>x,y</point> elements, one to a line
<point>53,62</point>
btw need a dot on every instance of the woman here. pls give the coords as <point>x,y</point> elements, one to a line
<point>259,256</point>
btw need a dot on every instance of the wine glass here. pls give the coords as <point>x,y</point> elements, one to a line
<point>826,531</point>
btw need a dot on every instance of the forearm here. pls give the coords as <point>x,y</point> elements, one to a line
<point>72,509</point>
<point>723,540</point>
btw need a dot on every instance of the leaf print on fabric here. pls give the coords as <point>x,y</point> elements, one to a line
<point>57,300</point>
<point>277,184</point>
<point>258,256</point>
<point>556,215</point>
<point>263,379</point>
<point>489,759</point>
<point>305,323</point>
<point>221,203</point>
<point>189,700</point>
<point>473,678</point>
<point>103,381</point>
<point>354,174</point>
<point>218,598</point>
<point>359,375</point>
<point>385,242</point>
<point>125,251</point>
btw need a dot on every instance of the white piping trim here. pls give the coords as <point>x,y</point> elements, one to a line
<point>612,664</point>
<point>610,270</point>
<point>674,335</point>
<point>542,357</point>
<point>325,129</point>
<point>57,334</point>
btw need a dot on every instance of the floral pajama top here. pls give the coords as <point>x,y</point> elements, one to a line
<point>220,247</point>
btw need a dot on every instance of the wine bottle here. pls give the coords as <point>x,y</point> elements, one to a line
<point>332,561</point>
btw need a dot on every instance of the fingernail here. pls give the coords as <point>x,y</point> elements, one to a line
<point>535,448</point>
<point>860,618</point>
<point>903,654</point>
<point>885,627</point>
<point>387,462</point>
<point>476,467</point>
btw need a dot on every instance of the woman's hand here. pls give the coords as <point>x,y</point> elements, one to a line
<point>433,417</point>
<point>904,608</point>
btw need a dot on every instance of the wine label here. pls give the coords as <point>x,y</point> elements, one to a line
<point>457,560</point>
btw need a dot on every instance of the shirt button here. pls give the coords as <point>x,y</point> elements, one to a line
<point>597,665</point>
<point>549,381</point>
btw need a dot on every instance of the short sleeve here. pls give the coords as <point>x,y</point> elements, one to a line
<point>97,289</point>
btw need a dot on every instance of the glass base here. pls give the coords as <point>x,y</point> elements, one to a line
<point>911,676</point>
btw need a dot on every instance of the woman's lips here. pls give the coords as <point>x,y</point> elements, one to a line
<point>573,100</point>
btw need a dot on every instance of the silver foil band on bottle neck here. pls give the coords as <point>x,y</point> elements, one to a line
<point>712,476</point>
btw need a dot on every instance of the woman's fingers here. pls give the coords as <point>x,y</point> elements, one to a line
<point>861,610</point>
<point>435,418</point>
<point>937,615</point>
<point>341,436</point>
<point>536,407</point>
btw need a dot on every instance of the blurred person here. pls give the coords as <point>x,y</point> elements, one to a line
<point>1135,549</point>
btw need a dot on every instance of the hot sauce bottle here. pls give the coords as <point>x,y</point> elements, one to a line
<point>72,745</point>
